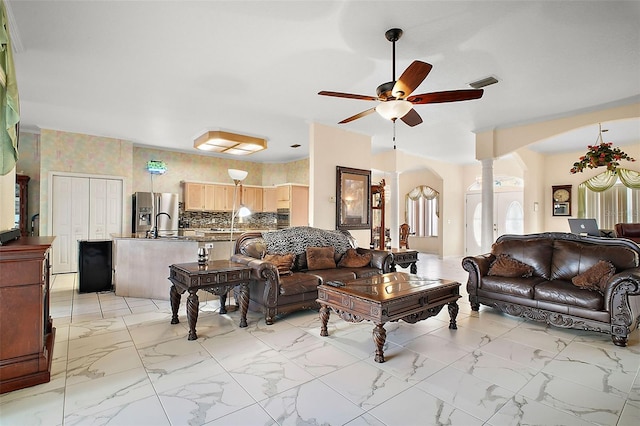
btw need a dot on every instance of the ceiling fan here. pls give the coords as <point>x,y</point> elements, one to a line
<point>394,96</point>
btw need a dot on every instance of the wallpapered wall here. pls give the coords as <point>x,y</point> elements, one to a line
<point>57,151</point>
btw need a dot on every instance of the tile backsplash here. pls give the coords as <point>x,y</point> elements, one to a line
<point>209,220</point>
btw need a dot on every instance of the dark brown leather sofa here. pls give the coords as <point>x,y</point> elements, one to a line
<point>549,294</point>
<point>274,293</point>
<point>630,231</point>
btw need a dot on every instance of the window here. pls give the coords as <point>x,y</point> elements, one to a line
<point>617,204</point>
<point>422,211</point>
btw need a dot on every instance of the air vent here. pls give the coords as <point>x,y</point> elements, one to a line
<point>484,82</point>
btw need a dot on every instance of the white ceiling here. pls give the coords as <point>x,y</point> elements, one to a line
<point>158,73</point>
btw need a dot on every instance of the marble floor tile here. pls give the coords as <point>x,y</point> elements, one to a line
<point>400,332</point>
<point>630,414</point>
<point>521,410</point>
<point>266,378</point>
<point>480,398</point>
<point>417,407</point>
<point>143,412</point>
<point>437,348</point>
<point>623,359</point>
<point>605,379</point>
<point>300,405</point>
<point>407,365</point>
<point>31,407</point>
<point>546,338</point>
<point>504,373</point>
<point>248,416</point>
<point>204,400</point>
<point>104,393</point>
<point>237,349</point>
<point>364,384</point>
<point>182,370</point>
<point>321,358</point>
<point>525,355</point>
<point>585,403</point>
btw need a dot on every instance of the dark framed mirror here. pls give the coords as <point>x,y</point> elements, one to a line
<point>353,198</point>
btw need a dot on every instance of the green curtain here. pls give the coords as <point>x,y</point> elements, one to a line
<point>423,191</point>
<point>604,181</point>
<point>10,104</point>
<point>629,178</point>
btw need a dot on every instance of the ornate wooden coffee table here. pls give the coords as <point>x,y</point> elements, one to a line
<point>217,277</point>
<point>388,297</point>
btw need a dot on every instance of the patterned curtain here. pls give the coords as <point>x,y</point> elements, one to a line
<point>9,103</point>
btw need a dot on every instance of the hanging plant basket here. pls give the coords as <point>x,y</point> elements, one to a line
<point>601,155</point>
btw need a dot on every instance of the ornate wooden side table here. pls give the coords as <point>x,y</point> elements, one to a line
<point>404,258</point>
<point>217,277</point>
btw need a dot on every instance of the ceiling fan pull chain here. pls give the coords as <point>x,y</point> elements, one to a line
<point>394,133</point>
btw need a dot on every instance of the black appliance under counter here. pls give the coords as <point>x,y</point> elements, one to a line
<point>95,265</point>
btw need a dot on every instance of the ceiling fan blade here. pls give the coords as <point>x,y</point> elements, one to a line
<point>448,96</point>
<point>411,79</point>
<point>348,95</point>
<point>359,115</point>
<point>412,118</point>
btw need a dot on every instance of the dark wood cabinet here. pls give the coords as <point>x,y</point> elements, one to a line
<point>26,329</point>
<point>378,230</point>
<point>21,203</point>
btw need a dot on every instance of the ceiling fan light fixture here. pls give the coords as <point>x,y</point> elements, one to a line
<point>229,143</point>
<point>392,110</point>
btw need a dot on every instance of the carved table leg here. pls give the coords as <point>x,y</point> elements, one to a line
<point>192,313</point>
<point>453,313</point>
<point>174,297</point>
<point>379,337</point>
<point>243,295</point>
<point>324,319</point>
<point>223,303</point>
<point>413,269</point>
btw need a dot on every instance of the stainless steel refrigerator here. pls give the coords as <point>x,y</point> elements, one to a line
<point>151,207</point>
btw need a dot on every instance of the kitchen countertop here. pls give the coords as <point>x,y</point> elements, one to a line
<point>200,235</point>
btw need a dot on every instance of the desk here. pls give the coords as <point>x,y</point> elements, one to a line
<point>404,258</point>
<point>217,277</point>
<point>388,297</point>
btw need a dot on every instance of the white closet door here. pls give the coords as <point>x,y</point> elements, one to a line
<point>97,209</point>
<point>70,221</point>
<point>114,207</point>
<point>105,212</point>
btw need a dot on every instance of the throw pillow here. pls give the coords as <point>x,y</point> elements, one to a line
<point>283,262</point>
<point>320,258</point>
<point>506,266</point>
<point>352,259</point>
<point>596,277</point>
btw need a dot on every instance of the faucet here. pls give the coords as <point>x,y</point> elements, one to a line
<point>154,230</point>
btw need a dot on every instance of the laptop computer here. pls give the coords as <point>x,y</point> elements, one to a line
<point>584,227</point>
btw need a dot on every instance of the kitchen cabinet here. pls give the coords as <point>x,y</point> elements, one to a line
<point>199,197</point>
<point>193,196</point>
<point>223,197</point>
<point>26,329</point>
<point>269,200</point>
<point>252,198</point>
<point>295,199</point>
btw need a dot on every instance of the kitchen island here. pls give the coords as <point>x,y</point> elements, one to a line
<point>141,264</point>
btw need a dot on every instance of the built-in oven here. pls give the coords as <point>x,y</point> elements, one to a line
<point>283,218</point>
